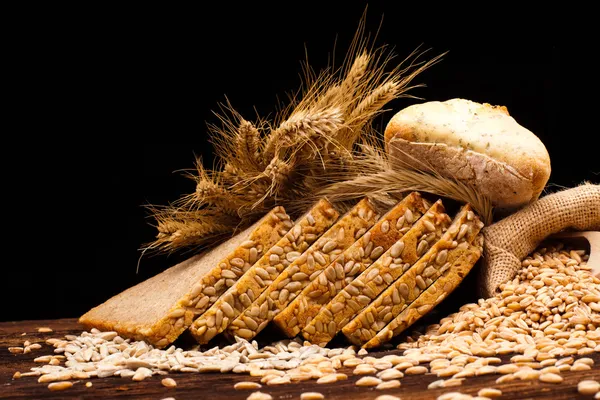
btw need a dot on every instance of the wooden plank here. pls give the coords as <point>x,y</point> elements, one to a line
<point>220,386</point>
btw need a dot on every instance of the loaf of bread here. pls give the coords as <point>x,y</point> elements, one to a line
<point>159,309</point>
<point>476,143</point>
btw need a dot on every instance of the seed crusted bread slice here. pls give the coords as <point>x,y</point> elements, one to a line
<point>159,309</point>
<point>258,277</point>
<point>465,227</point>
<point>303,270</point>
<point>378,276</point>
<point>432,296</point>
<point>351,263</point>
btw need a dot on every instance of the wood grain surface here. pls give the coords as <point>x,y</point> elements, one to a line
<point>218,386</point>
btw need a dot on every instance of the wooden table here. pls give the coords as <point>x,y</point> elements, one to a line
<point>220,386</point>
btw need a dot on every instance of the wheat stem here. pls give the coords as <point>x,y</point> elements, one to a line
<point>404,180</point>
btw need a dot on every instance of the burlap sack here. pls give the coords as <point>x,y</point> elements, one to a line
<point>510,240</point>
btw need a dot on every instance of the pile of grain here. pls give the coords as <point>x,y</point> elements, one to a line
<point>547,318</point>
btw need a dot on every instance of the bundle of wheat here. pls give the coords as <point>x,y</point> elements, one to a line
<point>314,142</point>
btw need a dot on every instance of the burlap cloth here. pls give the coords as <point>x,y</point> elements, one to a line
<point>510,240</point>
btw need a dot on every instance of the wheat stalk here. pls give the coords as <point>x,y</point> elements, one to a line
<point>404,180</point>
<point>378,176</point>
<point>179,228</point>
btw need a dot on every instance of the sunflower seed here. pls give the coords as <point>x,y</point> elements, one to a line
<point>311,396</point>
<point>368,381</point>
<point>588,387</point>
<point>55,386</point>
<point>246,385</point>
<point>259,396</point>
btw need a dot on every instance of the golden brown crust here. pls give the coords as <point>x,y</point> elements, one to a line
<point>249,287</point>
<point>304,269</point>
<point>480,144</point>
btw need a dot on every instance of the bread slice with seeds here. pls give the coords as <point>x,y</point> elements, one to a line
<point>159,309</point>
<point>350,264</point>
<point>304,269</point>
<point>432,296</point>
<point>439,258</point>
<point>378,276</point>
<point>249,287</point>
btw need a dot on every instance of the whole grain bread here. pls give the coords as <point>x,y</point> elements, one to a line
<point>378,276</point>
<point>366,250</point>
<point>476,143</point>
<point>403,291</point>
<point>249,287</point>
<point>432,296</point>
<point>292,280</point>
<point>159,309</point>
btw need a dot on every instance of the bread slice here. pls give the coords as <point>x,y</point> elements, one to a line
<point>159,309</point>
<point>258,277</point>
<point>303,270</point>
<point>432,296</point>
<point>476,143</point>
<point>465,227</point>
<point>378,276</point>
<point>350,264</point>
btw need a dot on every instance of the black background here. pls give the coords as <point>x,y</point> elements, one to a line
<point>117,101</point>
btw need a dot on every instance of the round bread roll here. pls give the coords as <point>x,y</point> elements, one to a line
<point>475,143</point>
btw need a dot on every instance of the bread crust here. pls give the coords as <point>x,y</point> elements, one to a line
<point>403,291</point>
<point>476,143</point>
<point>260,275</point>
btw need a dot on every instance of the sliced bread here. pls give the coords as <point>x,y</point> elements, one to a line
<point>304,269</point>
<point>159,309</point>
<point>439,258</point>
<point>350,264</point>
<point>378,276</point>
<point>259,276</point>
<point>432,296</point>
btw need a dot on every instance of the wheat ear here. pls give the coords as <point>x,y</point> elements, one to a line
<point>248,143</point>
<point>355,75</point>
<point>178,227</point>
<point>312,148</point>
<point>302,127</point>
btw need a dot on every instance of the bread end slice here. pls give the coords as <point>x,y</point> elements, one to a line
<point>159,309</point>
